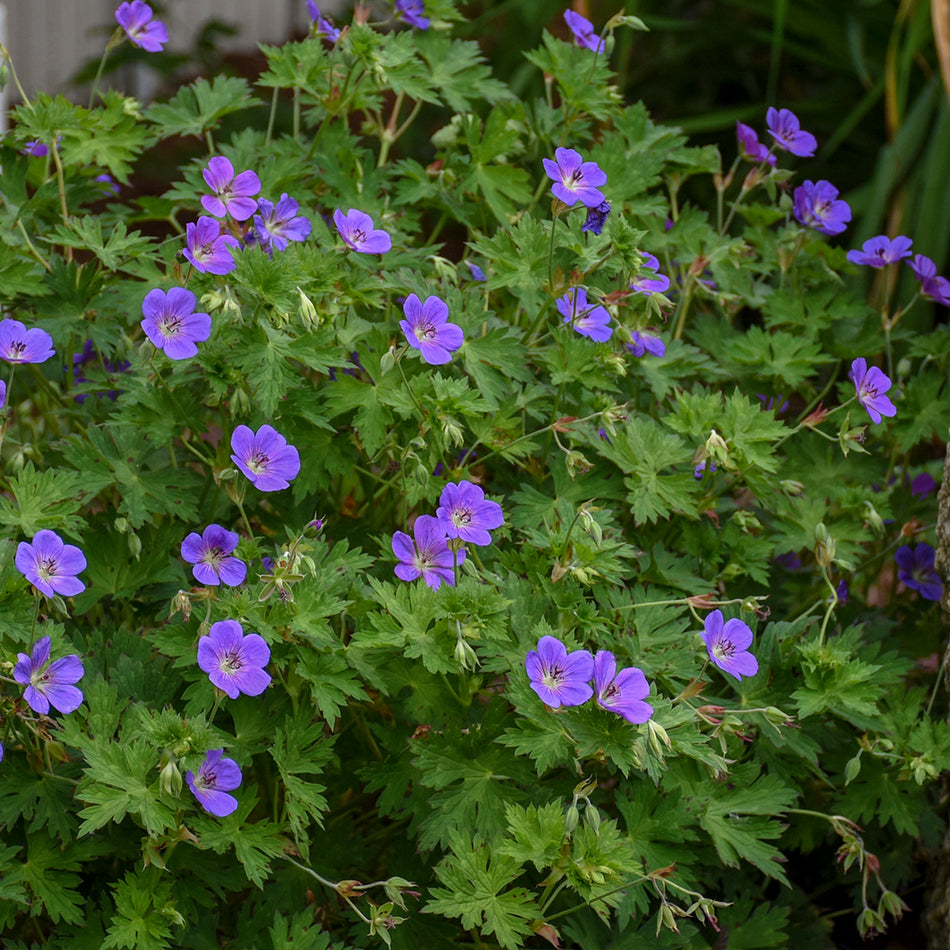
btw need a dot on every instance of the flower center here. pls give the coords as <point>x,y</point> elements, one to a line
<point>17,350</point>
<point>170,325</point>
<point>553,678</point>
<point>461,517</point>
<point>46,568</point>
<point>423,561</point>
<point>231,663</point>
<point>358,236</point>
<point>213,556</point>
<point>724,649</point>
<point>258,463</point>
<point>206,780</point>
<point>425,331</point>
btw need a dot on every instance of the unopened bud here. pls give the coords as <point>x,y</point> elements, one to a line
<point>592,817</point>
<point>874,520</point>
<point>181,601</point>
<point>169,779</point>
<point>791,487</point>
<point>387,361</point>
<point>465,655</point>
<point>306,310</point>
<point>135,545</point>
<point>904,367</point>
<point>571,818</point>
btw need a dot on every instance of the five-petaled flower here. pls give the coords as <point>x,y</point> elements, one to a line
<point>750,146</point>
<point>871,384</point>
<point>216,777</point>
<point>265,457</point>
<point>728,645</point>
<point>50,565</point>
<point>412,12</point>
<point>590,320</point>
<point>234,661</point>
<point>52,686</point>
<point>232,194</point>
<point>558,677</point>
<point>19,345</point>
<point>465,513</point>
<point>881,250</point>
<point>584,33</point>
<point>136,19</point>
<point>574,179</point>
<point>356,229</point>
<point>210,553</point>
<point>931,284</point>
<point>621,692</point>
<point>596,218</point>
<point>785,128</point>
<point>643,341</point>
<point>652,281</point>
<point>816,205</point>
<point>428,555</point>
<point>275,225</point>
<point>427,329</point>
<point>207,247</point>
<point>172,324</point>
<point>916,570</point>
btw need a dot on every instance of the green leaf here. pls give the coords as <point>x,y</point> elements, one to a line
<point>458,71</point>
<point>145,913</point>
<point>199,107</point>
<point>254,845</point>
<point>47,499</point>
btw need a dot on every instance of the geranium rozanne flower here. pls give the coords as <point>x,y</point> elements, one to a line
<point>871,384</point>
<point>590,320</point>
<point>476,272</point>
<point>574,179</point>
<point>276,225</point>
<point>52,686</point>
<point>427,554</point>
<point>19,345</point>
<point>728,645</point>
<point>596,218</point>
<point>584,33</point>
<point>210,553</point>
<point>750,146</point>
<point>35,149</point>
<point>50,565</point>
<point>621,692</point>
<point>427,329</point>
<point>322,26</point>
<point>3,393</point>
<point>643,341</point>
<point>558,677</point>
<point>233,660</point>
<point>881,250</point>
<point>785,128</point>
<point>356,229</point>
<point>265,457</point>
<point>465,513</point>
<point>216,777</point>
<point>651,281</point>
<point>136,19</point>
<point>931,285</point>
<point>207,247</point>
<point>233,194</point>
<point>172,324</point>
<point>916,570</point>
<point>816,205</point>
<point>412,12</point>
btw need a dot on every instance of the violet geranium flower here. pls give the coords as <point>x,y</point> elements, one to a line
<point>622,693</point>
<point>558,677</point>
<point>881,250</point>
<point>136,19</point>
<point>35,149</point>
<point>427,329</point>
<point>323,26</point>
<point>412,12</point>
<point>584,33</point>
<point>356,229</point>
<point>728,644</point>
<point>233,194</point>
<point>476,272</point>
<point>785,128</point>
<point>427,555</point>
<point>216,777</point>
<point>750,146</point>
<point>234,661</point>
<point>207,247</point>
<point>465,513</point>
<point>210,553</point>
<point>52,686</point>
<point>652,281</point>
<point>50,565</point>
<point>931,285</point>
<point>871,384</point>
<point>816,205</point>
<point>172,324</point>
<point>916,570</point>
<point>19,345</point>
<point>588,320</point>
<point>596,218</point>
<point>574,179</point>
<point>275,225</point>
<point>265,457</point>
<point>643,341</point>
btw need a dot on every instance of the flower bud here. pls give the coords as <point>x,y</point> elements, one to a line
<point>874,520</point>
<point>135,545</point>
<point>169,779</point>
<point>904,368</point>
<point>465,655</point>
<point>181,601</point>
<point>387,361</point>
<point>791,488</point>
<point>307,311</point>
<point>571,818</point>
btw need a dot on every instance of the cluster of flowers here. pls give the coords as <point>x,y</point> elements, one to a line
<point>881,250</point>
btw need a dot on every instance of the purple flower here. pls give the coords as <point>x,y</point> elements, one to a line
<point>476,271</point>
<point>584,33</point>
<point>922,484</point>
<point>88,354</point>
<point>788,561</point>
<point>411,11</point>
<point>588,320</point>
<point>356,229</point>
<point>234,662</point>
<point>623,692</point>
<point>208,248</point>
<point>706,465</point>
<point>52,686</point>
<point>323,26</point>
<point>35,149</point>
<point>466,514</point>
<point>50,565</point>
<point>172,324</point>
<point>817,206</point>
<point>216,777</point>
<point>109,185</point>
<point>881,251</point>
<point>750,146</point>
<point>3,393</point>
<point>596,217</point>
<point>916,570</point>
<point>728,644</point>
<point>574,179</point>
<point>643,341</point>
<point>210,553</point>
<point>871,384</point>
<point>931,285</point>
<point>427,330</point>
<point>19,345</point>
<point>265,457</point>
<point>136,19</point>
<point>276,225</point>
<point>558,677</point>
<point>841,591</point>
<point>652,282</point>
<point>785,128</point>
<point>232,195</point>
<point>428,556</point>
